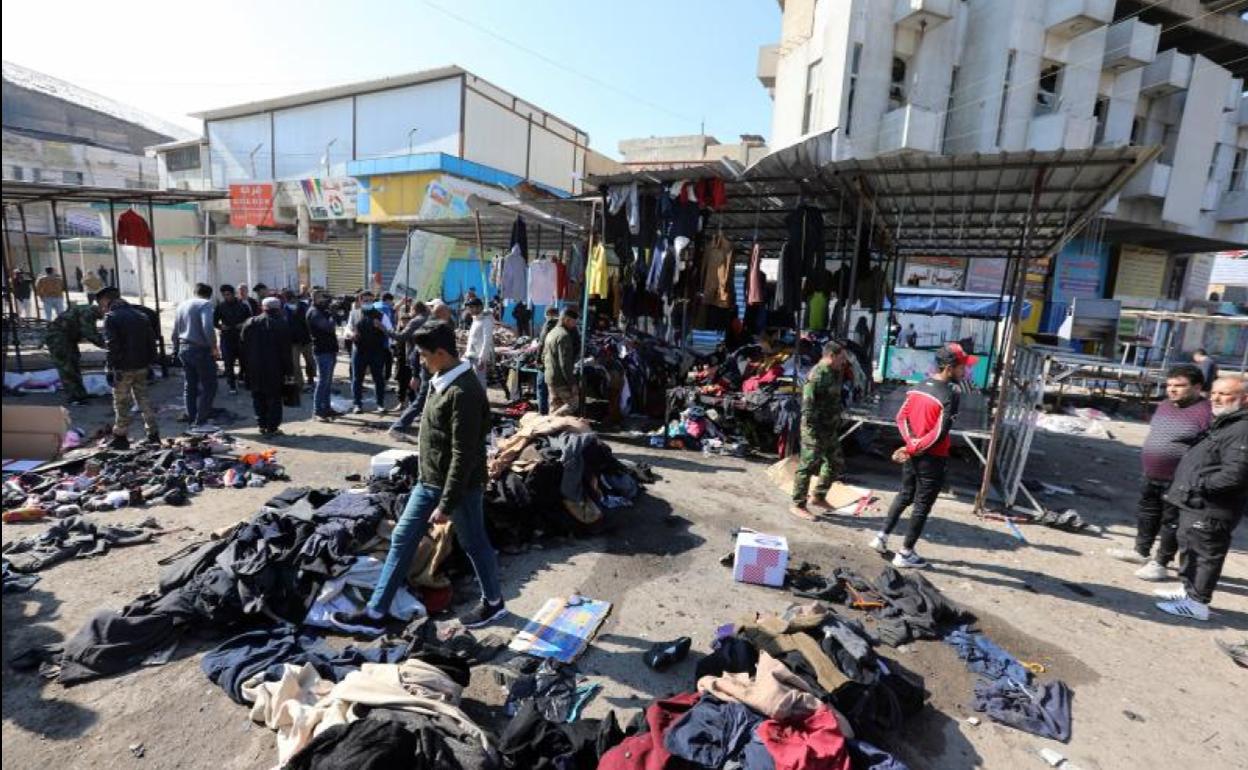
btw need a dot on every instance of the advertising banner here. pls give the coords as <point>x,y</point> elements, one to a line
<point>331,198</point>
<point>251,204</point>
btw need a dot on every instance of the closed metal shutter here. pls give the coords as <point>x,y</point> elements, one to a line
<point>345,267</point>
<point>393,243</point>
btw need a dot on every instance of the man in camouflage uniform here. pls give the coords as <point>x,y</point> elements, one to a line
<point>131,351</point>
<point>63,336</point>
<point>821,443</point>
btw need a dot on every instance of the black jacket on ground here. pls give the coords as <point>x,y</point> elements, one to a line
<point>129,338</point>
<point>297,320</point>
<point>323,330</point>
<point>1212,478</point>
<point>266,349</point>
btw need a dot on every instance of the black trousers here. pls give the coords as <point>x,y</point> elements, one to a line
<point>268,408</point>
<point>1205,542</point>
<point>1157,521</point>
<point>922,478</point>
<point>230,355</point>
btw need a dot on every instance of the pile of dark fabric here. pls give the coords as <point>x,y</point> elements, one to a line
<point>260,572</point>
<point>74,538</point>
<point>553,475</point>
<point>633,370</point>
<point>169,474</point>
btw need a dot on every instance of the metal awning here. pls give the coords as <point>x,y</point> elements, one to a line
<point>16,193</point>
<point>549,218</point>
<point>1167,315</point>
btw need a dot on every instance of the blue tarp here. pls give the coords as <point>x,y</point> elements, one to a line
<point>953,303</point>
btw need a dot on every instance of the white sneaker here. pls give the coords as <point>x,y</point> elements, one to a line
<point>1173,593</point>
<point>1125,554</point>
<point>204,429</point>
<point>879,543</point>
<point>1152,572</point>
<point>910,560</point>
<point>1185,608</point>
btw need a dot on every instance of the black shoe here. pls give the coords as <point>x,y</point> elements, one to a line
<point>152,438</point>
<point>78,402</point>
<point>483,615</point>
<point>119,442</point>
<point>664,654</point>
<point>358,622</point>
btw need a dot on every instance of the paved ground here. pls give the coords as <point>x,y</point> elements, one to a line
<point>1056,600</point>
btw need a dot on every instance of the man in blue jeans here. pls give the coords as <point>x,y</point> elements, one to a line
<point>454,430</point>
<point>325,350</point>
<point>195,345</point>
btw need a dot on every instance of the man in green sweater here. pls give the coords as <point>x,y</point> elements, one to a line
<point>560,350</point>
<point>454,430</point>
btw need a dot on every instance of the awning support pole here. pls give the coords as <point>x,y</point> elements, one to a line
<point>112,232</point>
<point>30,259</point>
<point>60,252</point>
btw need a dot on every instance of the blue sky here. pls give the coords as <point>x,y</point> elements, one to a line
<point>615,69</point>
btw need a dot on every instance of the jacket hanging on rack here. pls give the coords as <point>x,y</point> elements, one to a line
<point>132,230</point>
<point>599,283</point>
<point>514,276</point>
<point>543,282</point>
<point>801,253</point>
<point>520,237</point>
<point>756,281</point>
<point>717,273</point>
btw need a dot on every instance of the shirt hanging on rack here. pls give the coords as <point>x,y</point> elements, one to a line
<point>599,284</point>
<point>625,197</point>
<point>576,265</point>
<point>717,272</point>
<point>132,230</point>
<point>561,279</point>
<point>543,282</point>
<point>512,285</point>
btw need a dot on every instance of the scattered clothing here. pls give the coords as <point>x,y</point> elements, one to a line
<point>74,538</point>
<point>1043,710</point>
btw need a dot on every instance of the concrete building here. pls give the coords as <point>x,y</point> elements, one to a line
<point>57,133</point>
<point>691,150</point>
<point>352,165</point>
<point>982,76</point>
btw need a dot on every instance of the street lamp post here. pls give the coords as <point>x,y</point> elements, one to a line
<point>410,136</point>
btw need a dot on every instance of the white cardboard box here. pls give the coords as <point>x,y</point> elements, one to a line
<point>382,462</point>
<point>760,558</point>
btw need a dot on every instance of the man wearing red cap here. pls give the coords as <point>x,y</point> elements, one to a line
<point>924,420</point>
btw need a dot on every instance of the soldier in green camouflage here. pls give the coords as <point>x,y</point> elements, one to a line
<point>64,334</point>
<point>821,421</point>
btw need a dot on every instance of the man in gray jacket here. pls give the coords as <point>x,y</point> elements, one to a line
<point>560,350</point>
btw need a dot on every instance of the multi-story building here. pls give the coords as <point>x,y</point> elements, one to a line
<point>353,165</point>
<point>986,76</point>
<point>690,150</point>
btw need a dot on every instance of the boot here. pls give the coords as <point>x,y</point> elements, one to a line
<point>119,442</point>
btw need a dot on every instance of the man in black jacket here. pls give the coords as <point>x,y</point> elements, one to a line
<point>131,347</point>
<point>420,375</point>
<point>267,372</point>
<point>229,316</point>
<point>368,357</point>
<point>300,338</point>
<point>324,333</point>
<point>1210,489</point>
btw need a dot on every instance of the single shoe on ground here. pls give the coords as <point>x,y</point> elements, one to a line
<point>1171,592</point>
<point>1238,652</point>
<point>910,560</point>
<point>1125,554</point>
<point>483,614</point>
<point>879,544</point>
<point>664,654</point>
<point>1153,572</point>
<point>818,502</point>
<point>1185,608</point>
<point>364,622</point>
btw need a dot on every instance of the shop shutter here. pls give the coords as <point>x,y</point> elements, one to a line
<point>345,267</point>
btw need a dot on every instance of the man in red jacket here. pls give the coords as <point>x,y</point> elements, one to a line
<point>924,421</point>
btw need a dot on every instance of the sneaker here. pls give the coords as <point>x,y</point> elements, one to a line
<point>1185,608</point>
<point>1173,593</point>
<point>381,410</point>
<point>324,418</point>
<point>909,561</point>
<point>357,409</point>
<point>879,544</point>
<point>1152,572</point>
<point>1237,652</point>
<point>204,428</point>
<point>364,622</point>
<point>483,615</point>
<point>119,442</point>
<point>1124,554</point>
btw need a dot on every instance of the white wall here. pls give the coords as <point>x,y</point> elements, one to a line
<point>1198,134</point>
<point>494,135</point>
<point>302,134</point>
<point>230,144</point>
<point>383,120</point>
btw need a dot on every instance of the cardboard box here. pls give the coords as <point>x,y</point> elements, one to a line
<point>33,432</point>
<point>382,462</point>
<point>760,559</point>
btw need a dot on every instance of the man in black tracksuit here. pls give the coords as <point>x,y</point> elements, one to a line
<point>1210,489</point>
<point>229,316</point>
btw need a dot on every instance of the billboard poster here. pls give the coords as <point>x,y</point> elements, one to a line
<point>331,198</point>
<point>934,272</point>
<point>251,204</point>
<point>985,274</point>
<point>1141,272</point>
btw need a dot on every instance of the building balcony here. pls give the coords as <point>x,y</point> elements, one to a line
<point>910,129</point>
<point>1071,18</point>
<point>768,60</point>
<point>921,14</point>
<point>1153,181</point>
<point>1169,73</point>
<point>1130,45</point>
<point>1059,131</point>
<point>1233,207</point>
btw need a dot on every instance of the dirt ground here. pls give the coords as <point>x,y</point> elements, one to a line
<point>1150,691</point>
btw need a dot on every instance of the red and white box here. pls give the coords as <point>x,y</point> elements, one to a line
<point>760,559</point>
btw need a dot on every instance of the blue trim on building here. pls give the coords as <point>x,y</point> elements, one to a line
<point>441,162</point>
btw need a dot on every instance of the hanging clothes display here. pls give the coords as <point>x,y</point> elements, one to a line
<point>798,257</point>
<point>717,273</point>
<point>599,282</point>
<point>755,280</point>
<point>662,269</point>
<point>625,197</point>
<point>132,230</point>
<point>543,282</point>
<point>520,237</point>
<point>712,194</point>
<point>561,279</point>
<point>513,278</point>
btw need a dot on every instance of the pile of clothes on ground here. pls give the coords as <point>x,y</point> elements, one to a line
<point>76,537</point>
<point>631,371</point>
<point>906,607</point>
<point>166,474</point>
<point>554,475</point>
<point>697,427</point>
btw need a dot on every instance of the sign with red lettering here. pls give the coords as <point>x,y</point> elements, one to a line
<point>251,204</point>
